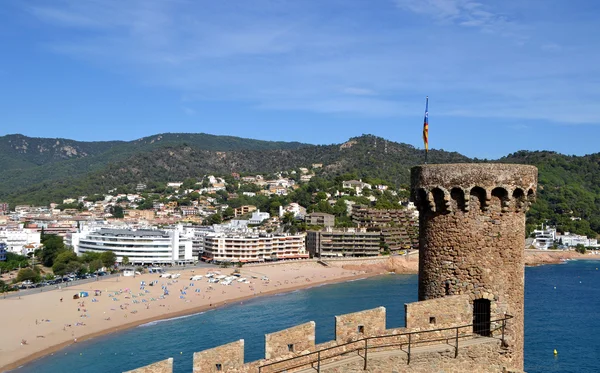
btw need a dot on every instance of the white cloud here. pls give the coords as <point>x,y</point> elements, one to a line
<point>287,55</point>
<point>189,111</point>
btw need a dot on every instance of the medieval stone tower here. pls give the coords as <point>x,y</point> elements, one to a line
<point>472,233</point>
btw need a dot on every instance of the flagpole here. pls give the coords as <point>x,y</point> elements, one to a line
<point>426,128</point>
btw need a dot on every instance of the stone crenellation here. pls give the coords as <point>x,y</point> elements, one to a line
<point>471,289</point>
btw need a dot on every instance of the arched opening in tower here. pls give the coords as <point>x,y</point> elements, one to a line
<point>519,198</point>
<point>422,202</point>
<point>439,200</point>
<point>482,317</point>
<point>499,198</point>
<point>458,199</point>
<point>478,197</point>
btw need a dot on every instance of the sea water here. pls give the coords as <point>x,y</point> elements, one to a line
<point>562,318</point>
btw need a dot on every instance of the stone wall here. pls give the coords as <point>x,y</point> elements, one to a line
<point>472,233</point>
<point>299,339</point>
<point>435,313</point>
<point>483,358</point>
<point>224,358</point>
<point>164,366</point>
<point>359,324</point>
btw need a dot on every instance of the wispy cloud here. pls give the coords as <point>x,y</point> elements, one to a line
<point>349,57</point>
<point>465,13</point>
<point>188,111</point>
<point>357,91</point>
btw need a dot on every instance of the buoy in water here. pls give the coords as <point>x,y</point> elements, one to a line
<point>555,352</point>
<point>181,353</point>
<point>555,287</point>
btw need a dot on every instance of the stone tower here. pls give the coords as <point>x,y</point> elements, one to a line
<point>472,239</point>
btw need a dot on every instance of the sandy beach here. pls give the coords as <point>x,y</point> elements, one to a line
<point>39,324</point>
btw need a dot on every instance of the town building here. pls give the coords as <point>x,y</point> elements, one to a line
<point>544,238</point>
<point>399,227</point>
<point>572,240</point>
<point>253,247</point>
<point>320,218</point>
<point>17,239</point>
<point>142,246</point>
<point>356,185</point>
<point>298,211</point>
<point>258,217</point>
<point>243,210</point>
<point>2,252</point>
<point>343,242</point>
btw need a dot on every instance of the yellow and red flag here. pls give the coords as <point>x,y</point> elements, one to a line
<point>426,125</point>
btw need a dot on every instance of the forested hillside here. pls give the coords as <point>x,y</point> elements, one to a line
<point>42,162</point>
<point>569,190</point>
<point>569,186</point>
<point>365,156</point>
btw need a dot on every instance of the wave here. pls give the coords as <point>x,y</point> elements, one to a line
<point>357,279</point>
<point>151,323</point>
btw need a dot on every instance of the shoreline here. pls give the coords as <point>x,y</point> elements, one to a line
<point>174,314</point>
<point>349,274</point>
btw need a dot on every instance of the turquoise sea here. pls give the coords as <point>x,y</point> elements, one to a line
<point>565,318</point>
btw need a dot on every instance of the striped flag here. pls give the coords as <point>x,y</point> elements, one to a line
<point>426,125</point>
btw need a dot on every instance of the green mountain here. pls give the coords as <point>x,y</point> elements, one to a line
<point>568,192</point>
<point>39,171</point>
<point>35,163</point>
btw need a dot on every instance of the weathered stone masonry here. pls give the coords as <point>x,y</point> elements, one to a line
<point>472,228</point>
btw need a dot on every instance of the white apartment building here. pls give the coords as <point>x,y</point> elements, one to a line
<point>143,246</point>
<point>544,238</point>
<point>17,240</point>
<point>253,247</point>
<point>572,240</point>
<point>258,217</point>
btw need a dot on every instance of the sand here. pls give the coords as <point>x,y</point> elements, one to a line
<point>48,324</point>
<point>45,323</point>
<point>540,257</point>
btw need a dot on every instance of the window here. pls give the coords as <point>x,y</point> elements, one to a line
<point>219,367</point>
<point>290,347</point>
<point>361,329</point>
<point>432,320</point>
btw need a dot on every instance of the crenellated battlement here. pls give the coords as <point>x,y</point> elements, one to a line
<point>428,323</point>
<point>452,188</point>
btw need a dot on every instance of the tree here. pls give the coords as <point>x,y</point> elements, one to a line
<point>27,274</point>
<point>117,212</point>
<point>108,258</point>
<point>228,213</point>
<point>95,265</point>
<point>213,219</point>
<point>53,245</point>
<point>580,249</point>
<point>60,268</point>
<point>125,260</point>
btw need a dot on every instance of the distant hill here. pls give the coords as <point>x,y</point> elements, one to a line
<point>569,190</point>
<point>39,171</point>
<point>27,161</point>
<point>126,164</point>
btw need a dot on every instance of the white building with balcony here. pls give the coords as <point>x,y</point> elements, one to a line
<point>142,246</point>
<point>253,247</point>
<point>16,240</point>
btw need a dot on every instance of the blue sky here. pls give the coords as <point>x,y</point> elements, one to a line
<point>501,75</point>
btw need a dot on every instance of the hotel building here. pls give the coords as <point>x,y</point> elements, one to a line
<point>253,247</point>
<point>143,246</point>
